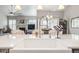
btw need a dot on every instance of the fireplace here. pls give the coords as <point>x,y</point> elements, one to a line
<point>22,28</point>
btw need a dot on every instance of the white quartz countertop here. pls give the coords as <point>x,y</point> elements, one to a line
<point>30,42</point>
<point>9,41</point>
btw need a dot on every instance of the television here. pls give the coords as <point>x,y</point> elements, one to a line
<point>31,26</point>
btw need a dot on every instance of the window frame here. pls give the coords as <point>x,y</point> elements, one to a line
<point>72,19</point>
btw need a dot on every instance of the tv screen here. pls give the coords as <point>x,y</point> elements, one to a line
<point>31,26</point>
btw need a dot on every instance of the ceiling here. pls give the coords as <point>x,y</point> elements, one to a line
<point>27,9</point>
<point>50,7</point>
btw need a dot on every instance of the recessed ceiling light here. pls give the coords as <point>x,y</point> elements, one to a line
<point>39,7</point>
<point>18,7</point>
<point>61,7</point>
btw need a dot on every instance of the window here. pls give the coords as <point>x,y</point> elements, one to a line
<point>12,24</point>
<point>75,22</point>
<point>53,22</point>
<point>32,21</point>
<point>49,23</point>
<point>44,23</point>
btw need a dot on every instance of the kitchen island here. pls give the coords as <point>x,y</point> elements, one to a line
<point>43,44</point>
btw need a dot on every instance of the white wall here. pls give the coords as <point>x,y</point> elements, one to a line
<point>69,13</point>
<point>57,14</point>
<point>3,17</point>
<point>3,20</point>
<point>28,10</point>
